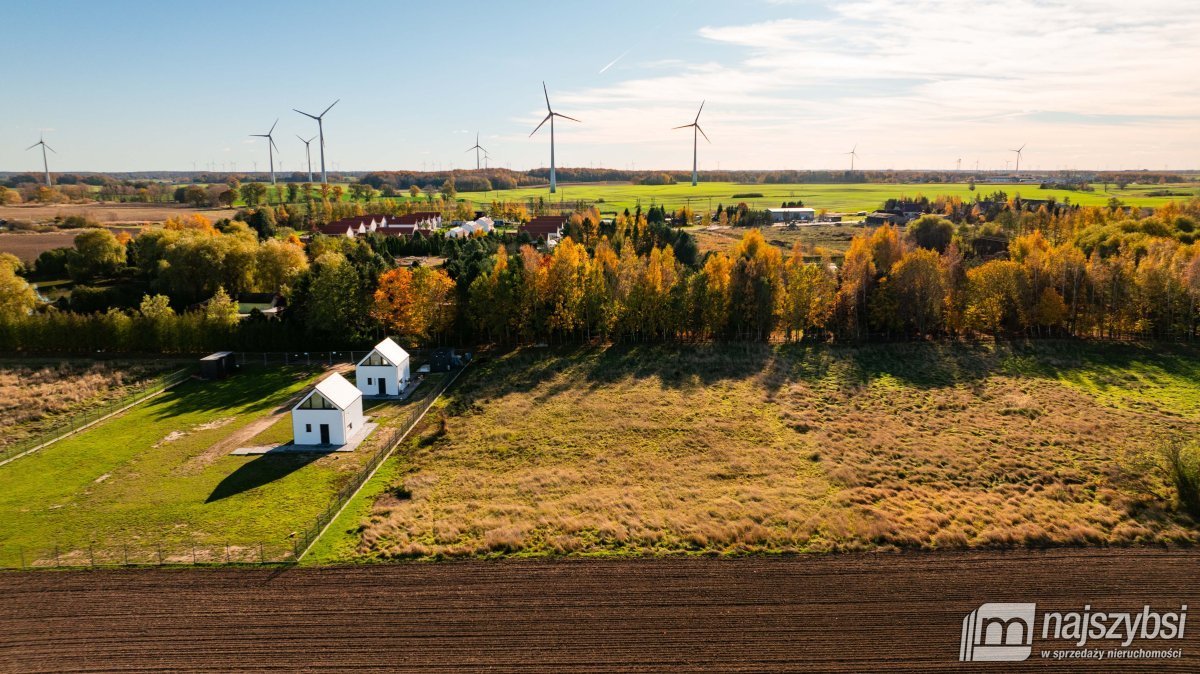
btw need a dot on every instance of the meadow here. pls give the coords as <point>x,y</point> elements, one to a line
<point>35,396</point>
<point>162,476</point>
<point>841,198</point>
<point>734,449</point>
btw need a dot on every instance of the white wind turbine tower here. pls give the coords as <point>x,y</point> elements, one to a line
<point>550,115</point>
<point>695,126</point>
<point>308,154</point>
<point>271,147</point>
<point>45,163</point>
<point>321,132</point>
<point>477,147</point>
<point>1018,151</point>
<point>853,155</point>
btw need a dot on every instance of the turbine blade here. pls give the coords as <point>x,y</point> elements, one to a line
<point>547,95</point>
<point>305,113</point>
<point>34,145</point>
<point>272,141</point>
<point>547,118</point>
<point>302,140</point>
<point>699,111</point>
<point>702,133</point>
<point>49,148</point>
<point>565,117</point>
<point>683,127</point>
<point>329,108</point>
<point>273,126</point>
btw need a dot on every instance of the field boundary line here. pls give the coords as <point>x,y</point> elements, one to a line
<point>387,455</point>
<point>124,408</point>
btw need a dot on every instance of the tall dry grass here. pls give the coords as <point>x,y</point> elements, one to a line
<point>732,449</point>
<point>34,397</point>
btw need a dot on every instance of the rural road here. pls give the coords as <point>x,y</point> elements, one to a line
<point>851,613</point>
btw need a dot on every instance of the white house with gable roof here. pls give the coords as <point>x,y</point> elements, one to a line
<point>330,414</point>
<point>385,370</point>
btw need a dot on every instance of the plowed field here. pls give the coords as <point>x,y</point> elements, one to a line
<point>853,613</point>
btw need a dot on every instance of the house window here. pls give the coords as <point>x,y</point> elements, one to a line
<point>370,381</point>
<point>308,428</point>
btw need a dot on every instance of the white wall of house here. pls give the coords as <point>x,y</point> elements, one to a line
<point>306,426</point>
<point>367,378</point>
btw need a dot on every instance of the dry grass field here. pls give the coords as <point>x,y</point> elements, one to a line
<point>36,396</point>
<point>833,237</point>
<point>108,213</point>
<point>636,450</point>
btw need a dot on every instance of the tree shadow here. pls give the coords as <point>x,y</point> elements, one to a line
<point>249,390</point>
<point>261,471</point>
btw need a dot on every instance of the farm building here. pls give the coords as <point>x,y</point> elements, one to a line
<point>329,415</point>
<point>384,372</point>
<point>548,227</point>
<point>792,214</point>
<point>467,229</point>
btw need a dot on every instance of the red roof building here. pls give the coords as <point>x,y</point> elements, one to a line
<point>548,227</point>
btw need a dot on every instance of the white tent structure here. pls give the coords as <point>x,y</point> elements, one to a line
<point>329,415</point>
<point>384,371</point>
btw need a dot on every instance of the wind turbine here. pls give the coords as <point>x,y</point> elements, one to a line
<point>271,147</point>
<point>308,154</point>
<point>1018,151</point>
<point>45,163</point>
<point>550,115</point>
<point>477,147</point>
<point>321,133</point>
<point>695,126</point>
<point>853,155</point>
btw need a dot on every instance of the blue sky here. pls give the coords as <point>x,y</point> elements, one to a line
<point>138,85</point>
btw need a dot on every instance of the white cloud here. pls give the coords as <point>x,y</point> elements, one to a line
<point>921,83</point>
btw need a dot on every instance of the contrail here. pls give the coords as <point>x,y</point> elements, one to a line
<point>614,61</point>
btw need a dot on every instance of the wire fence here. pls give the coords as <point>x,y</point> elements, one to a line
<point>395,435</point>
<point>173,553</point>
<point>247,358</point>
<point>75,423</point>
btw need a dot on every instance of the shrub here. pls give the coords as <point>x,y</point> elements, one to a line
<point>1182,464</point>
<point>748,195</point>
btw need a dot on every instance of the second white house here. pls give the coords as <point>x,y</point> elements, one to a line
<point>385,370</point>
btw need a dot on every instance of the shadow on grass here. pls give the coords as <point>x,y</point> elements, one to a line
<point>923,365</point>
<point>263,470</point>
<point>250,391</point>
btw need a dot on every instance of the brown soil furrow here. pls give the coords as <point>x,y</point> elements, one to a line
<point>833,613</point>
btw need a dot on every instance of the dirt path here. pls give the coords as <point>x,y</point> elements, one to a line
<point>242,436</point>
<point>849,613</point>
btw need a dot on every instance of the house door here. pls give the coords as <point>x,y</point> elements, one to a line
<point>324,434</point>
<point>382,387</point>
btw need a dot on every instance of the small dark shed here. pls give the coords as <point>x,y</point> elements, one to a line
<point>218,365</point>
<point>443,359</point>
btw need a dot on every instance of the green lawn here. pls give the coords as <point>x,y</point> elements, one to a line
<point>150,478</point>
<point>850,197</point>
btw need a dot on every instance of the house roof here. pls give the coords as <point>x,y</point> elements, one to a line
<point>414,218</point>
<point>337,390</point>
<point>544,224</point>
<point>390,350</point>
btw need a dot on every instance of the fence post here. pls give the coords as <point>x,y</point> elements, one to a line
<point>21,552</point>
<point>193,553</point>
<point>261,557</point>
<point>226,552</point>
<point>92,553</point>
<point>56,564</point>
<point>125,549</point>
<point>160,555</point>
